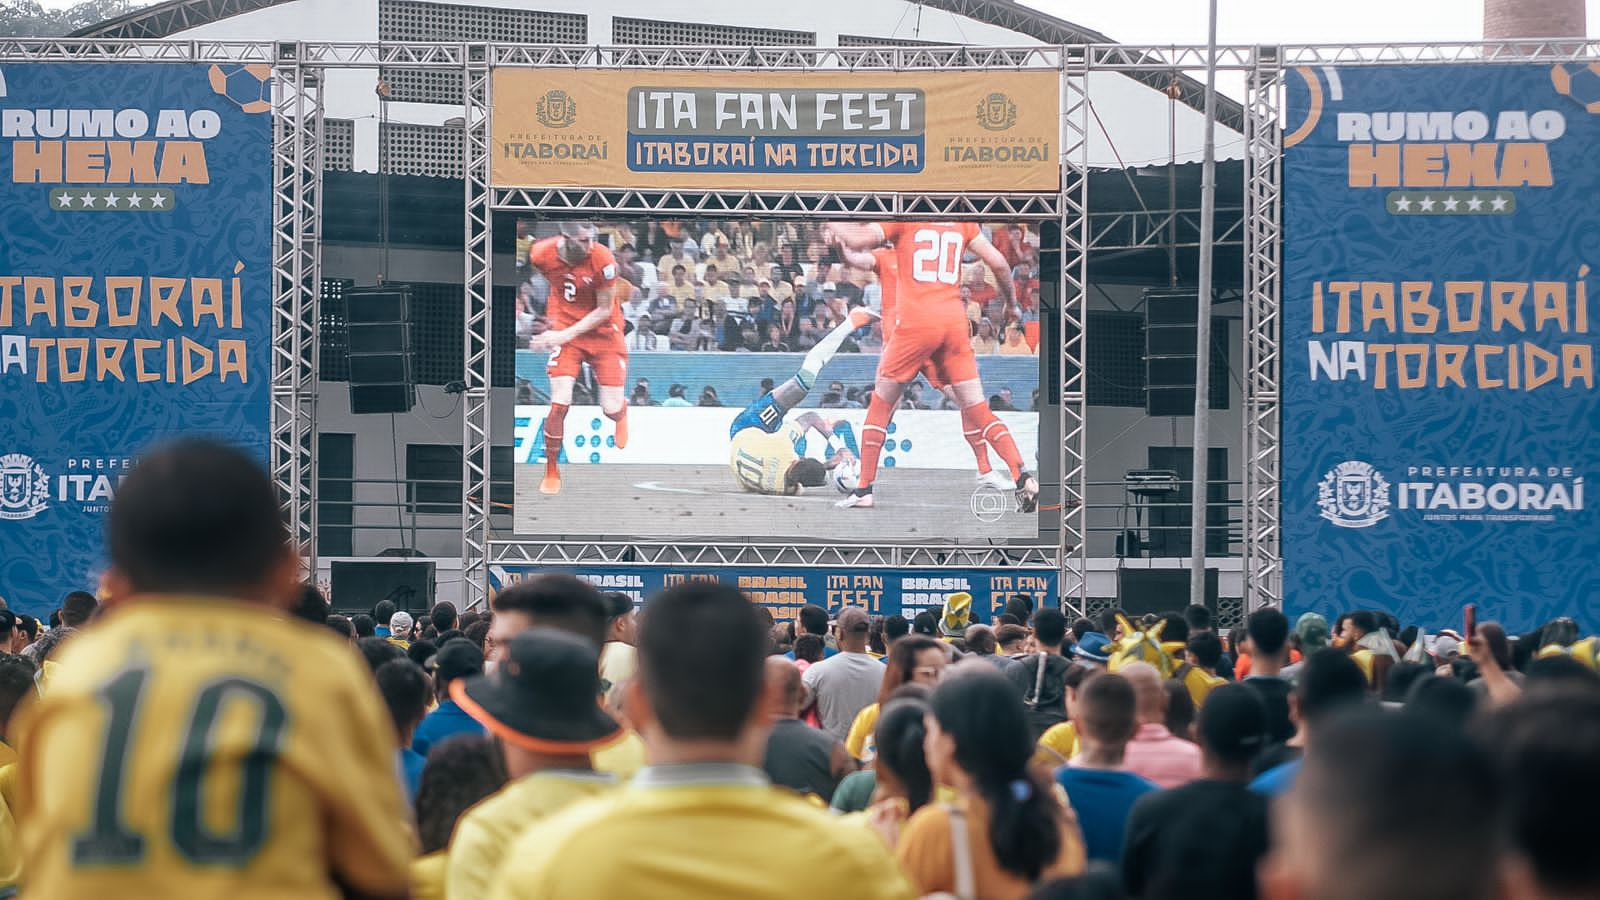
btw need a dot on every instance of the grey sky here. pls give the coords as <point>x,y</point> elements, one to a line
<point>1282,21</point>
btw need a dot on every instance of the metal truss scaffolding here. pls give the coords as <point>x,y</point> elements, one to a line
<point>296,222</point>
<point>296,288</point>
<point>1263,582</point>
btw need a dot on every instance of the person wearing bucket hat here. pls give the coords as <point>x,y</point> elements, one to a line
<point>1093,648</point>
<point>703,820</point>
<point>542,702</point>
<point>1310,635</point>
<point>956,616</point>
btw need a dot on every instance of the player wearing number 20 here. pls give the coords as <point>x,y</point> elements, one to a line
<point>197,742</point>
<point>931,327</point>
<point>585,327</point>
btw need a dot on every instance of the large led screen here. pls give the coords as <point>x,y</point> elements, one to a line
<point>828,381</point>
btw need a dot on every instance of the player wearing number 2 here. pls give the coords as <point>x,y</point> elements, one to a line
<point>585,327</point>
<point>932,327</point>
<point>197,741</point>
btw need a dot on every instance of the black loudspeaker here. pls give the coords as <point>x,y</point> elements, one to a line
<point>380,349</point>
<point>1169,352</point>
<point>358,585</point>
<point>1141,591</point>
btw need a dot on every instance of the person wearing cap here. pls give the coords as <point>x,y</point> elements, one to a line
<point>1310,635</point>
<point>400,630</point>
<point>1203,840</point>
<point>618,659</point>
<point>458,658</point>
<point>703,821</point>
<point>847,682</point>
<point>542,703</point>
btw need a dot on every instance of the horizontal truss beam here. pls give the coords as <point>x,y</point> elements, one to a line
<point>566,553</point>
<point>795,203</point>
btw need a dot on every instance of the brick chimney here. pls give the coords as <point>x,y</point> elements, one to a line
<point>1508,19</point>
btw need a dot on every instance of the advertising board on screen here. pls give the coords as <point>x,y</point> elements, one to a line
<point>1439,403</point>
<point>728,391</point>
<point>135,291</point>
<point>872,131</point>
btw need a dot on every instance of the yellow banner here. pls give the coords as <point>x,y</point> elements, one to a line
<point>866,131</point>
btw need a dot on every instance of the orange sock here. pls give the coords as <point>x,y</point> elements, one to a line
<point>620,417</point>
<point>972,430</point>
<point>873,434</point>
<point>555,426</point>
<point>998,435</point>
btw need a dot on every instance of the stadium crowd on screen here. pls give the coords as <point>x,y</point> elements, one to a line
<point>202,726</point>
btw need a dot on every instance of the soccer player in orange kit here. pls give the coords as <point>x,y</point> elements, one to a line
<point>585,327</point>
<point>932,327</point>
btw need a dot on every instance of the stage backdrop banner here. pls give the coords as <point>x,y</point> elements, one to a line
<point>1439,404</point>
<point>135,291</point>
<point>881,592</point>
<point>867,131</point>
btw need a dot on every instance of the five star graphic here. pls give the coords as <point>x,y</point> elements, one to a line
<point>1433,203</point>
<point>112,199</point>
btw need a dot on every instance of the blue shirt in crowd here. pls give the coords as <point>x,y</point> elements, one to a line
<point>1102,799</point>
<point>1277,780</point>
<point>446,720</point>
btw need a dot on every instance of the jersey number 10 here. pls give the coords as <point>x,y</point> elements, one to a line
<point>109,841</point>
<point>937,256</point>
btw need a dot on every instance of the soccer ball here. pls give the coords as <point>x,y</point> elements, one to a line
<point>846,476</point>
<point>248,86</point>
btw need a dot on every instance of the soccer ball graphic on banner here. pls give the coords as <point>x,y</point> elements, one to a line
<point>249,87</point>
<point>846,476</point>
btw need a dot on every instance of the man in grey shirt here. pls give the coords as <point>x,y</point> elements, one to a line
<point>847,682</point>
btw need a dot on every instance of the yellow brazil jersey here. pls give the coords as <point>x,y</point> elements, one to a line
<point>1061,740</point>
<point>199,748</point>
<point>859,741</point>
<point>621,757</point>
<point>693,839</point>
<point>10,852</point>
<point>486,831</point>
<point>1200,684</point>
<point>427,876</point>
<point>761,461</point>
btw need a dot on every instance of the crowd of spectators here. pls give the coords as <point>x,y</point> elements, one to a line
<point>774,288</point>
<point>207,727</point>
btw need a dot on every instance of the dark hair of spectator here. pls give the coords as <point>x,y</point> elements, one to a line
<point>1107,620</point>
<point>1021,606</point>
<point>1009,632</point>
<point>341,626</point>
<point>1050,627</point>
<point>895,627</point>
<point>1405,797</point>
<point>461,770</point>
<point>443,616</point>
<point>313,607</point>
<point>419,651</point>
<point>898,738</point>
<point>1176,629</point>
<point>983,714</point>
<point>1099,882</point>
<point>405,691</point>
<point>1232,724</point>
<point>363,625</point>
<point>1402,675</point>
<point>377,651</point>
<point>1197,617</point>
<point>1495,636</point>
<point>809,647</point>
<point>1107,709</point>
<point>478,633</point>
<point>1545,746</point>
<point>982,641</point>
<point>1329,681</point>
<point>382,612</point>
<point>197,517</point>
<point>77,608</point>
<point>1364,621</point>
<point>701,660</point>
<point>1180,708</point>
<point>16,683</point>
<point>1446,700</point>
<point>1207,649</point>
<point>468,619</point>
<point>557,600</point>
<point>813,619</point>
<point>875,641</point>
<point>902,660</point>
<point>1268,629</point>
<point>1561,670</point>
<point>925,623</point>
<point>1081,627</point>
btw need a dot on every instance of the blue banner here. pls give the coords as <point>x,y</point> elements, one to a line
<point>135,291</point>
<point>1439,403</point>
<point>881,592</point>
